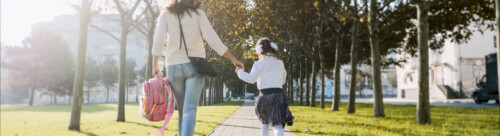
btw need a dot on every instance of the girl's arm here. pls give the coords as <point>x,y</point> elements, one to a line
<point>284,73</point>
<point>284,77</point>
<point>249,77</point>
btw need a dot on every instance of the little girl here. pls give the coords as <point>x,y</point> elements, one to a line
<point>270,74</point>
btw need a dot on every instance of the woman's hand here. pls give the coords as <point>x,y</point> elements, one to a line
<point>238,64</point>
<point>156,70</point>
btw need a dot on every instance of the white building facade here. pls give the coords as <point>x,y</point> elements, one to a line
<point>453,71</point>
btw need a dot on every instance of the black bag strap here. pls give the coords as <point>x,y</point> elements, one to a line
<point>183,39</point>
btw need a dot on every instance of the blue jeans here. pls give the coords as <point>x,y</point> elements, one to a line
<point>186,84</point>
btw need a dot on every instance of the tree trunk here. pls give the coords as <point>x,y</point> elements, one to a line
<point>136,95</point>
<point>301,89</point>
<point>378,105</point>
<point>290,82</point>
<point>149,63</point>
<point>209,91</point>
<point>107,94</point>
<point>121,77</point>
<point>423,107</point>
<point>307,85</point>
<point>354,61</point>
<point>338,58</point>
<point>80,70</point>
<point>32,94</point>
<point>88,96</point>
<point>202,96</point>
<point>322,68</point>
<point>497,11</point>
<point>313,93</point>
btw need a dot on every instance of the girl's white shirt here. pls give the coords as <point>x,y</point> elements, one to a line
<point>268,72</point>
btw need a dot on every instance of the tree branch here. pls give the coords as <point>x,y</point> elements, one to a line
<point>104,31</point>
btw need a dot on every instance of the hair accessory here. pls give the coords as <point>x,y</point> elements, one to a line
<point>259,49</point>
<point>274,46</point>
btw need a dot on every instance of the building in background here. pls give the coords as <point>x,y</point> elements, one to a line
<point>453,71</point>
<point>99,46</point>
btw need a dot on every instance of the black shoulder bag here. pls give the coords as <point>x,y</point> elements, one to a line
<point>201,65</point>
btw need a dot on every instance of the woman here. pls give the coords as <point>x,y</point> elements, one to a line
<point>184,80</point>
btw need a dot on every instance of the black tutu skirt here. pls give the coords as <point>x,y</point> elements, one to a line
<point>271,106</point>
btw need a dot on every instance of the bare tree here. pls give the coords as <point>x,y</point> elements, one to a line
<point>128,21</point>
<point>80,71</point>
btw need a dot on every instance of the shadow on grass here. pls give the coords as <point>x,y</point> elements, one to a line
<point>86,108</point>
<point>142,124</point>
<point>86,133</point>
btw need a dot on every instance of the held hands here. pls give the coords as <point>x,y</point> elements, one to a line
<point>238,64</point>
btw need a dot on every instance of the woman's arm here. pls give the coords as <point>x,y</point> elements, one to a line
<point>159,41</point>
<point>235,62</point>
<point>160,35</point>
<point>208,33</point>
<point>156,69</point>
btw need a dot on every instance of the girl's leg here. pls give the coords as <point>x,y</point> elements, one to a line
<point>176,78</point>
<point>265,129</point>
<point>278,130</point>
<point>194,84</point>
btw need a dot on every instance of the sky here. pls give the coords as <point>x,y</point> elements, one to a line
<point>17,16</point>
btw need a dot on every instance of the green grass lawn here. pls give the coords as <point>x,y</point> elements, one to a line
<point>100,119</point>
<point>399,120</point>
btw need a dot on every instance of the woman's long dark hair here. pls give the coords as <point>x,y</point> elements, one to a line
<point>178,7</point>
<point>266,47</point>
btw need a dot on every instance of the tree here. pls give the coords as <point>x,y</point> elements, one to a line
<point>109,77</point>
<point>423,106</point>
<point>128,20</point>
<point>80,72</point>
<point>92,75</point>
<point>131,75</point>
<point>354,37</point>
<point>453,25</point>
<point>24,70</point>
<point>497,12</point>
<point>55,62</point>
<point>378,105</point>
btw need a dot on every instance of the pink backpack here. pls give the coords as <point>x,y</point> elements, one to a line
<point>153,105</point>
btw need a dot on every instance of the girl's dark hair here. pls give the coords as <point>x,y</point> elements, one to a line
<point>266,47</point>
<point>178,7</point>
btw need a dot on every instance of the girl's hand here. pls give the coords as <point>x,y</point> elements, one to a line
<point>236,70</point>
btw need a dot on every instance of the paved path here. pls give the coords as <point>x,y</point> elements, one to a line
<point>243,122</point>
